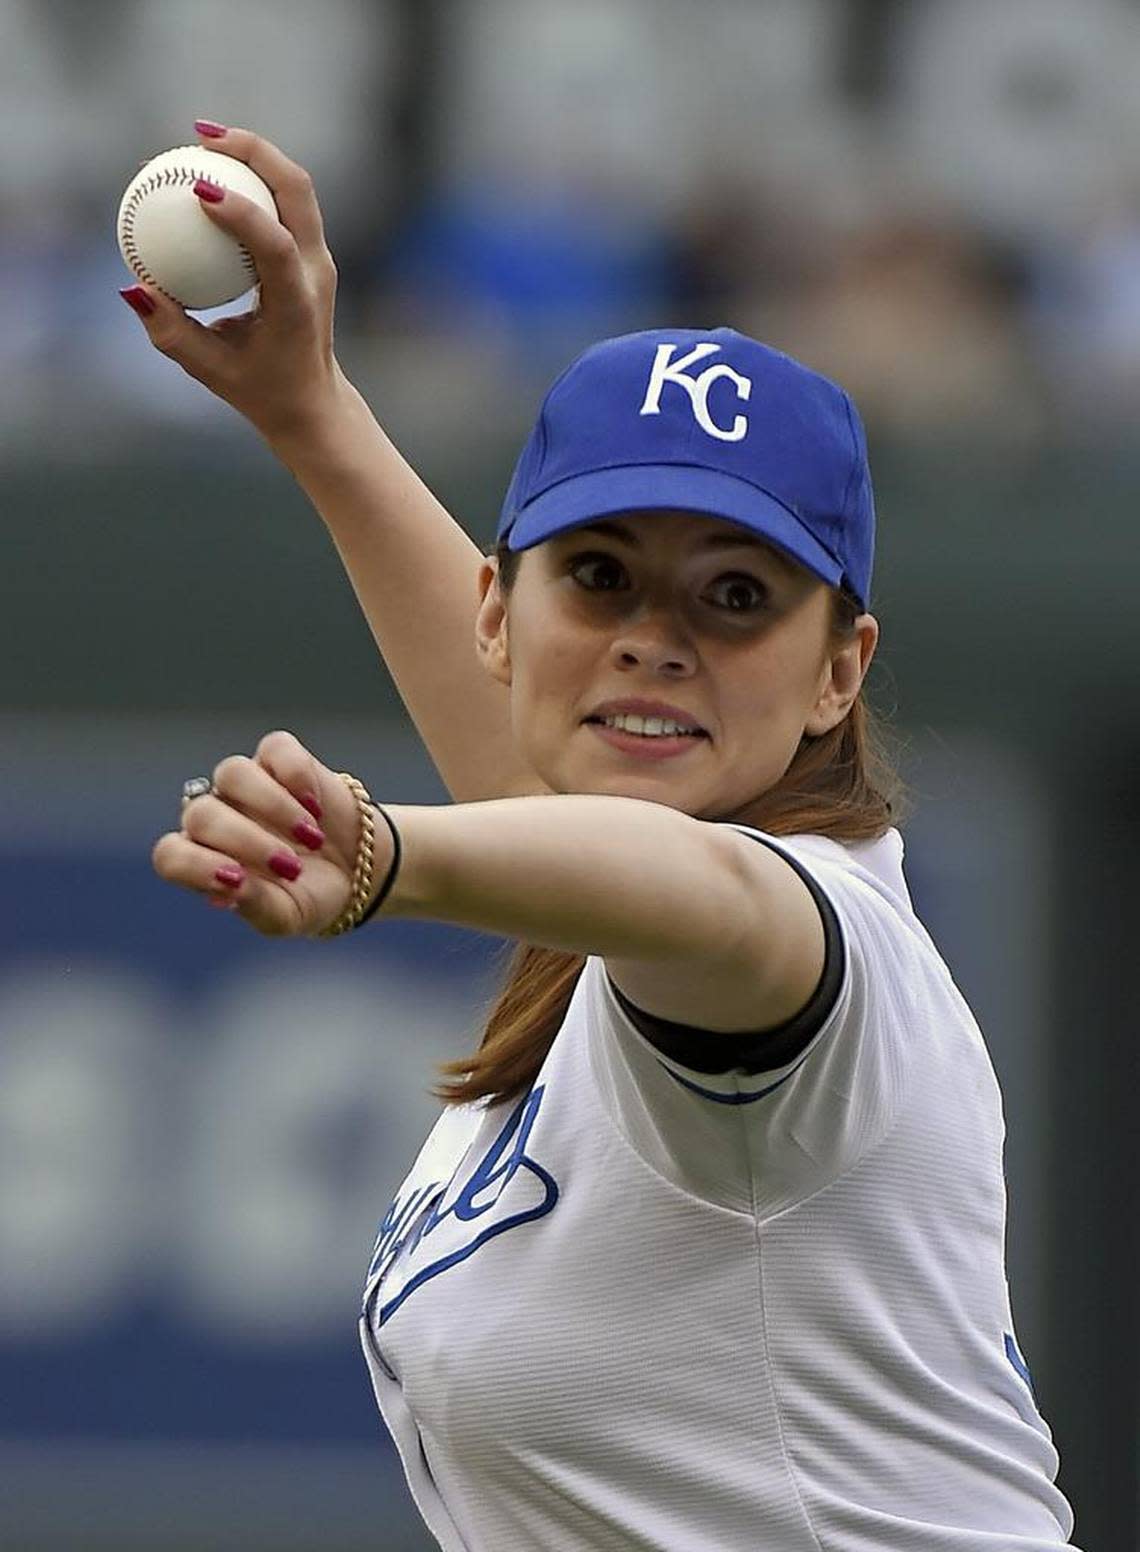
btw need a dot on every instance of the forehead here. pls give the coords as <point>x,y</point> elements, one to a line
<point>691,532</point>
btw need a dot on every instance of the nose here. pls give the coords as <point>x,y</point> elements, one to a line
<point>656,645</point>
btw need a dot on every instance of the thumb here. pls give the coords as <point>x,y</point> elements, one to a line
<point>195,348</point>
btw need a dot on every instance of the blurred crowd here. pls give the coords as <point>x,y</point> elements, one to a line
<point>938,203</point>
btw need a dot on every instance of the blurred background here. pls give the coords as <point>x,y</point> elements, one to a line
<point>937,202</point>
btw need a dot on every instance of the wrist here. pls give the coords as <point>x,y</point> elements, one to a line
<point>321,437</point>
<point>384,875</point>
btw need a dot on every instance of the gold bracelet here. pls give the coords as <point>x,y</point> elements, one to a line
<point>362,872</point>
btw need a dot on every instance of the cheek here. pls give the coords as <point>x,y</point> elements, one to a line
<point>773,694</point>
<point>549,666</point>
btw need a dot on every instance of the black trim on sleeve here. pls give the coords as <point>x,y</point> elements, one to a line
<point>717,1051</point>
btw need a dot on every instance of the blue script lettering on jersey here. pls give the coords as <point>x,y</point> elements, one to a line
<point>410,1221</point>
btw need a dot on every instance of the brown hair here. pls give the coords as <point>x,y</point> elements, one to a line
<point>843,784</point>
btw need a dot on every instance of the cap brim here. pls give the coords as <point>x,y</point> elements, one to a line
<point>674,488</point>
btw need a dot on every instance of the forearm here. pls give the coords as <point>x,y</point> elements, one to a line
<point>618,877</point>
<point>415,573</point>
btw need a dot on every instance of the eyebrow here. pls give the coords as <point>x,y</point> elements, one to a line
<point>711,542</point>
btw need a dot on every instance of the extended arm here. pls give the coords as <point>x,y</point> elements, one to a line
<point>696,922</point>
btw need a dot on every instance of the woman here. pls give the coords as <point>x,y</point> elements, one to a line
<point>706,1248</point>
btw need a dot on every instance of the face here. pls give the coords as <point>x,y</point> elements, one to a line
<point>665,606</point>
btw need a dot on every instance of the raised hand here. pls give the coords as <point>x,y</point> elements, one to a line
<point>275,364</point>
<point>239,843</point>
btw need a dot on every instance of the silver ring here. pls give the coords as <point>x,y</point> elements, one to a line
<point>196,787</point>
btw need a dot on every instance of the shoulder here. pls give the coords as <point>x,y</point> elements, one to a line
<point>809,898</point>
<point>785,945</point>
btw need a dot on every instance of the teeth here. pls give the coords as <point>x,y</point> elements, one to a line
<point>650,727</point>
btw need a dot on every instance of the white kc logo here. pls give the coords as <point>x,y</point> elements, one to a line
<point>697,388</point>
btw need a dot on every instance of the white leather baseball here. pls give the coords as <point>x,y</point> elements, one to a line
<point>169,241</point>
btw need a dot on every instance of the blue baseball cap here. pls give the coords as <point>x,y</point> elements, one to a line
<point>702,421</point>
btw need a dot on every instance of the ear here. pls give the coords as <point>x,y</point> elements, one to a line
<point>491,623</point>
<point>843,675</point>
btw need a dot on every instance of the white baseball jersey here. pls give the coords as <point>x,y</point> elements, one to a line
<point>699,1292</point>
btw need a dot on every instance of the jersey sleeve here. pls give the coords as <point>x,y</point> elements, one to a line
<point>712,1051</point>
<point>759,1121</point>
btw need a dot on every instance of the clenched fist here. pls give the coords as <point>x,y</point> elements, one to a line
<point>276,840</point>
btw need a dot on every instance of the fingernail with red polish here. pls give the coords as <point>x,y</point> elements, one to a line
<point>136,297</point>
<point>310,801</point>
<point>220,903</point>
<point>210,192</point>
<point>308,835</point>
<point>208,128</point>
<point>285,866</point>
<point>231,876</point>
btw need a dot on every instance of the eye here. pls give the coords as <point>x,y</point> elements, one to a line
<point>591,558</point>
<point>748,594</point>
<point>740,585</point>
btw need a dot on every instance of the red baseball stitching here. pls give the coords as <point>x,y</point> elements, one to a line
<point>168,178</point>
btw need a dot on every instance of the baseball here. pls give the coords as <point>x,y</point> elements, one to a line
<point>168,240</point>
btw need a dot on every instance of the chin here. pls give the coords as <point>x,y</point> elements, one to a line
<point>650,786</point>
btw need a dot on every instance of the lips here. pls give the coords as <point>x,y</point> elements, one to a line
<point>690,732</point>
<point>638,746</point>
<point>645,708</point>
